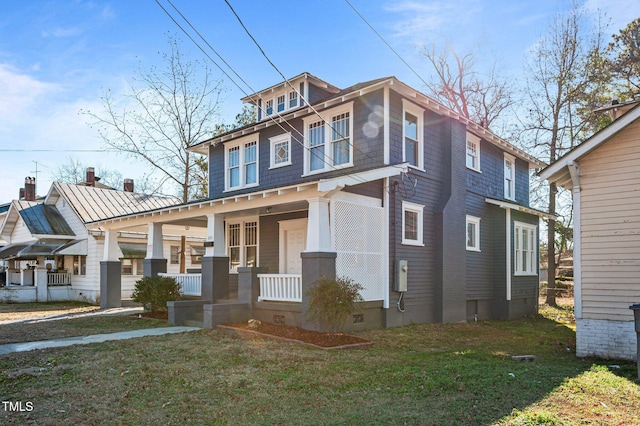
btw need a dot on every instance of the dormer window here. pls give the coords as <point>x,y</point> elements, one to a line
<point>293,99</point>
<point>269,108</point>
<point>281,103</point>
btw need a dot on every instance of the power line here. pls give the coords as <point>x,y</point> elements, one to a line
<point>279,124</point>
<point>385,42</point>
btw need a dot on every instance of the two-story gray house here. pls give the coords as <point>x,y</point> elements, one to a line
<point>428,211</point>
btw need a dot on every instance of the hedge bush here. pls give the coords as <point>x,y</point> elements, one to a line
<point>154,292</point>
<point>332,301</point>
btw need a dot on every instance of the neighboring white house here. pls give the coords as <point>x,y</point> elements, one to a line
<point>48,237</point>
<point>603,174</point>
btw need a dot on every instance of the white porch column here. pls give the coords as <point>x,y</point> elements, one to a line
<point>154,241</point>
<point>154,262</point>
<point>110,272</point>
<point>318,234</point>
<point>111,249</point>
<point>215,235</point>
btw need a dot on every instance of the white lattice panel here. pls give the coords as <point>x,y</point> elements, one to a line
<point>358,239</point>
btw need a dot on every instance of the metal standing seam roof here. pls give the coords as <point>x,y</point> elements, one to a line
<point>92,204</point>
<point>42,219</point>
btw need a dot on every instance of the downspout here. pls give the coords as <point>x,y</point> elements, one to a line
<point>508,224</point>
<point>574,171</point>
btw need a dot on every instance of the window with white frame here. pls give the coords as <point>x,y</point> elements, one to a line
<point>281,105</point>
<point>524,244</point>
<point>509,177</point>
<point>242,243</point>
<point>269,107</point>
<point>473,233</point>
<point>79,265</point>
<point>174,255</point>
<point>280,150</point>
<point>241,163</point>
<point>412,134</point>
<point>328,141</point>
<point>412,220</point>
<point>293,99</point>
<point>473,152</point>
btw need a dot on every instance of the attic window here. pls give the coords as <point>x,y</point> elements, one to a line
<point>293,99</point>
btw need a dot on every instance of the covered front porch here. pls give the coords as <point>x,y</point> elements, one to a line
<point>264,250</point>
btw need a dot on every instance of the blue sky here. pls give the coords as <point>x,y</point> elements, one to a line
<point>59,56</point>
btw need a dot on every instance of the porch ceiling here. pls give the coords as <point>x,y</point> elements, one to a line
<point>195,214</point>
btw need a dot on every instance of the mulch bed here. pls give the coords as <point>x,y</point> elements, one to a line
<point>299,335</point>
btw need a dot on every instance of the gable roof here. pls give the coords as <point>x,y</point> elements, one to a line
<point>39,219</point>
<point>560,171</point>
<point>303,76</point>
<point>91,203</point>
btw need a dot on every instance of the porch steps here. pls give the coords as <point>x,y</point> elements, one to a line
<point>196,320</point>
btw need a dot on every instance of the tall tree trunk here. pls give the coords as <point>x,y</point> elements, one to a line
<point>183,257</point>
<point>551,248</point>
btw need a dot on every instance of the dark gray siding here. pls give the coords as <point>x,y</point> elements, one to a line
<point>270,239</point>
<point>317,94</point>
<point>374,189</point>
<point>419,300</point>
<point>367,148</point>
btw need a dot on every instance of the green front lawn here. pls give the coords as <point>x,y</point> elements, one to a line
<point>452,374</point>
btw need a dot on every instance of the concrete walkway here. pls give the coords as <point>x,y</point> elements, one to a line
<point>96,338</point>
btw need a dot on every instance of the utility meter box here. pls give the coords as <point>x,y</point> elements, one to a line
<point>402,270</point>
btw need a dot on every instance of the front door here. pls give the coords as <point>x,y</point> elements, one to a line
<point>293,241</point>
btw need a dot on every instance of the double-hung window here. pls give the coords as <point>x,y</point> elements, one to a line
<point>413,134</point>
<point>329,141</point>
<point>473,233</point>
<point>269,107</point>
<point>509,177</point>
<point>241,163</point>
<point>242,243</point>
<point>293,99</point>
<point>524,244</point>
<point>281,103</point>
<point>473,152</point>
<point>412,220</point>
<point>79,265</point>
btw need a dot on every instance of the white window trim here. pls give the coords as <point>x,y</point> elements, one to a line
<point>328,151</point>
<point>419,209</point>
<point>241,143</point>
<point>533,232</point>
<point>510,158</point>
<point>415,110</point>
<point>476,141</point>
<point>286,137</point>
<point>476,221</point>
<point>241,222</point>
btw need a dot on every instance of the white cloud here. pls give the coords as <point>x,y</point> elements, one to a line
<point>420,20</point>
<point>40,123</point>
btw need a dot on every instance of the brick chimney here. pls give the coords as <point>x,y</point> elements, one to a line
<point>91,177</point>
<point>30,189</point>
<point>128,185</point>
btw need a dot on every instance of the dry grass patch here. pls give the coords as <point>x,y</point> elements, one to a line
<point>459,374</point>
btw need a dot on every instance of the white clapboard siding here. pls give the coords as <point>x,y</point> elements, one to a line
<point>610,209</point>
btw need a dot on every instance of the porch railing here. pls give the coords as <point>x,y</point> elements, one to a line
<point>191,283</point>
<point>280,287</point>
<point>58,278</point>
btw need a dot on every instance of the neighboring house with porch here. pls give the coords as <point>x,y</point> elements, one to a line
<point>428,211</point>
<point>603,174</point>
<point>51,255</point>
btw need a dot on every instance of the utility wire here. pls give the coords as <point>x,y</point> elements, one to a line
<point>278,123</point>
<point>385,42</point>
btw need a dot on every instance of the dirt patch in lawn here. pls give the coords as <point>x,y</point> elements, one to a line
<point>300,335</point>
